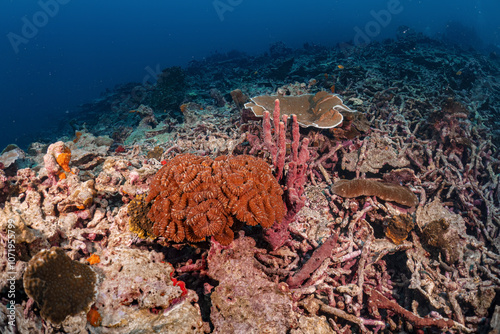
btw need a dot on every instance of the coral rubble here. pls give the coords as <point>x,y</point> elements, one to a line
<point>245,300</point>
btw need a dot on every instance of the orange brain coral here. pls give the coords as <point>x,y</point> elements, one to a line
<point>195,197</point>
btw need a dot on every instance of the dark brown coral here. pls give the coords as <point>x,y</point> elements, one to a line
<point>59,285</point>
<point>197,197</point>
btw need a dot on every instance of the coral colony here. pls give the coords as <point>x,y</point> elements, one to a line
<point>294,192</point>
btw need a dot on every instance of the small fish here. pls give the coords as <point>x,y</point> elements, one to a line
<point>131,111</point>
<point>459,73</point>
<point>341,67</point>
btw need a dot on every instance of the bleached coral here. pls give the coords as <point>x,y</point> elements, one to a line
<point>10,157</point>
<point>379,151</point>
<point>137,281</point>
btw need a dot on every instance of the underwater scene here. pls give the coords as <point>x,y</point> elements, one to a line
<point>236,166</point>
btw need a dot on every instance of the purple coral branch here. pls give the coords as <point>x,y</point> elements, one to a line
<point>317,258</point>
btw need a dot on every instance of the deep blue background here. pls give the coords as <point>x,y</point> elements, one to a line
<point>91,45</point>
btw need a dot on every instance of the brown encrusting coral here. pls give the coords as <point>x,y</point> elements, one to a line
<point>385,191</point>
<point>139,222</point>
<point>59,285</point>
<point>197,197</point>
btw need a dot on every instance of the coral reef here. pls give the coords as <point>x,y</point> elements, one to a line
<point>363,264</point>
<point>59,285</point>
<point>195,197</point>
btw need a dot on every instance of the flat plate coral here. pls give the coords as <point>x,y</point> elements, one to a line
<point>321,110</point>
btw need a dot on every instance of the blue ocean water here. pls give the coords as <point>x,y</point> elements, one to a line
<point>58,54</point>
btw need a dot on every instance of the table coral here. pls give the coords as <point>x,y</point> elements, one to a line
<point>59,285</point>
<point>195,197</point>
<point>9,157</point>
<point>321,110</point>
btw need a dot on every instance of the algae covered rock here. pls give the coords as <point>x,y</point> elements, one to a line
<point>246,301</point>
<point>137,295</point>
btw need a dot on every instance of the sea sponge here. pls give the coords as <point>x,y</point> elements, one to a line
<point>397,228</point>
<point>239,98</point>
<point>59,285</point>
<point>57,159</point>
<point>63,158</point>
<point>444,239</point>
<point>322,110</point>
<point>197,197</point>
<point>385,191</point>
